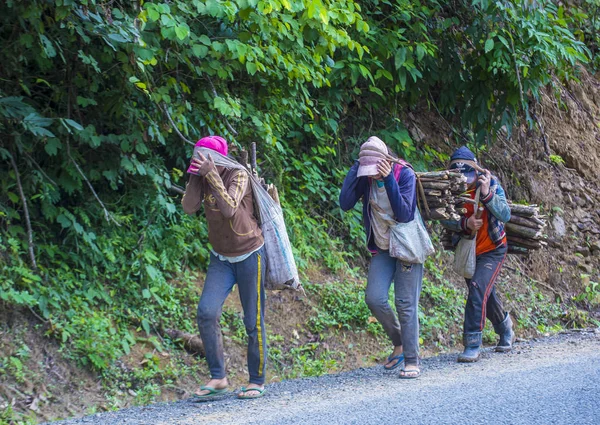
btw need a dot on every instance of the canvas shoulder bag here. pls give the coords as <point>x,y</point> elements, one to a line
<point>409,242</point>
<point>465,257</point>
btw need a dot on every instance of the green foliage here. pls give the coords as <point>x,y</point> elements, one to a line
<point>442,306</point>
<point>557,160</point>
<point>232,325</point>
<point>341,306</point>
<point>94,94</point>
<point>590,296</point>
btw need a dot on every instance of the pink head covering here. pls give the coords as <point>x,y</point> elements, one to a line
<point>216,143</point>
<point>371,152</point>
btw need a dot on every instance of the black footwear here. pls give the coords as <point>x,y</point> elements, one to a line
<point>507,336</point>
<point>472,342</point>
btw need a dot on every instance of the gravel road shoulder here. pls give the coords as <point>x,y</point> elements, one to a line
<point>555,380</point>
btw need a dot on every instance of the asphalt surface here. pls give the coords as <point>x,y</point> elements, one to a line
<point>550,381</point>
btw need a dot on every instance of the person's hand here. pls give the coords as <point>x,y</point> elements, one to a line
<point>201,164</point>
<point>474,223</point>
<point>384,167</point>
<point>484,183</point>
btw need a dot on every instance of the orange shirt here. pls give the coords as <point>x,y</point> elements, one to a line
<point>484,242</point>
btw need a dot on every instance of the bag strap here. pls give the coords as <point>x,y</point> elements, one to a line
<point>476,211</point>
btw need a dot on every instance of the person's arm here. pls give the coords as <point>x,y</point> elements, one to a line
<point>192,199</point>
<point>402,194</point>
<point>352,189</point>
<point>496,202</point>
<point>456,226</point>
<point>228,199</point>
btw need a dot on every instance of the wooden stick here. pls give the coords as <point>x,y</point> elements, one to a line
<point>436,185</point>
<point>524,210</point>
<point>423,197</point>
<point>253,158</point>
<point>177,189</point>
<point>517,250</point>
<point>437,193</point>
<point>526,232</point>
<point>26,212</point>
<point>523,241</point>
<point>522,221</point>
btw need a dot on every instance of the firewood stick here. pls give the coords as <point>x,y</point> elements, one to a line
<point>522,221</point>
<point>524,210</point>
<point>522,231</point>
<point>436,185</point>
<point>517,250</point>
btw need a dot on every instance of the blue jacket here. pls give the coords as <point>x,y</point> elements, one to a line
<point>499,210</point>
<point>400,186</point>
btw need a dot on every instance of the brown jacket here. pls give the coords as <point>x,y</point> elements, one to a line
<point>229,209</point>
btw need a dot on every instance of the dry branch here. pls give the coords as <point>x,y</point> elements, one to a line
<point>177,189</point>
<point>107,215</point>
<point>522,231</point>
<point>175,126</point>
<point>26,212</point>
<point>523,221</point>
<point>524,210</point>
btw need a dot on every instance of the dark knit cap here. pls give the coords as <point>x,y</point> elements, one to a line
<point>463,153</point>
<point>456,162</point>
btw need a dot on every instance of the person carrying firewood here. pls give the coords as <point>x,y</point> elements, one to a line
<point>388,193</point>
<point>487,218</point>
<point>237,256</point>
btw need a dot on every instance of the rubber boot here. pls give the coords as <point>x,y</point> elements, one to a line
<point>505,330</point>
<point>472,342</point>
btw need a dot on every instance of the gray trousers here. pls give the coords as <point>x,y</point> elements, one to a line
<point>220,278</point>
<point>404,329</point>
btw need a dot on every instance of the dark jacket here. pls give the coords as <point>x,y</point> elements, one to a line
<point>400,186</point>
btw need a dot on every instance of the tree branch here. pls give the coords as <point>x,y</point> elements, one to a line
<point>107,215</point>
<point>26,211</point>
<point>166,110</point>
<point>40,169</point>
<point>177,189</point>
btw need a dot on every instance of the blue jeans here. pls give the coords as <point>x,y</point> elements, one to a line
<point>220,279</point>
<point>408,278</point>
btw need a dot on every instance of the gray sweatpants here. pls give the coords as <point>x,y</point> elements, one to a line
<point>220,278</point>
<point>404,329</point>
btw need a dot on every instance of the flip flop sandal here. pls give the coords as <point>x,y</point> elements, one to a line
<point>244,390</point>
<point>400,359</point>
<point>413,371</point>
<point>213,393</point>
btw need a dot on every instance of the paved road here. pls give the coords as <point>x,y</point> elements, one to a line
<point>551,381</point>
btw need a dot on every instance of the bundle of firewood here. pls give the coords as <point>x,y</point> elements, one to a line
<point>441,195</point>
<point>524,231</point>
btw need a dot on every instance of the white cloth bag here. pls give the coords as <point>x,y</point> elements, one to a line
<point>465,257</point>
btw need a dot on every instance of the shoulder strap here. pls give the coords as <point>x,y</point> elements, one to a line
<point>399,164</point>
